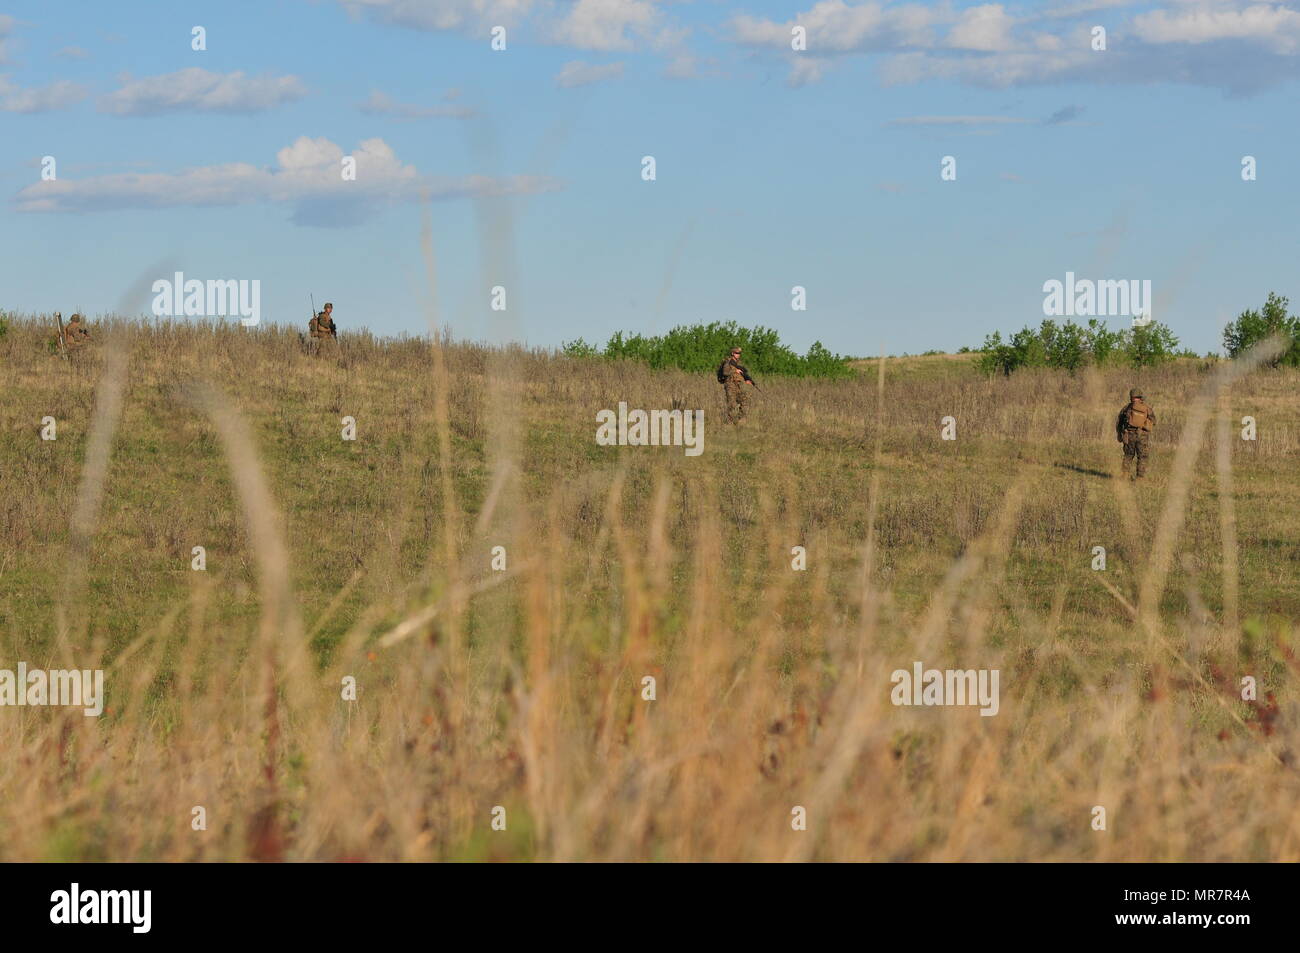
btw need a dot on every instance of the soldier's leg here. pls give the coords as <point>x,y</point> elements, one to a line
<point>1142,451</point>
<point>742,397</point>
<point>729,397</point>
<point>1129,451</point>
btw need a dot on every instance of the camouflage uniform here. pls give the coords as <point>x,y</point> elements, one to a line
<point>322,326</point>
<point>75,333</point>
<point>1133,429</point>
<point>735,380</point>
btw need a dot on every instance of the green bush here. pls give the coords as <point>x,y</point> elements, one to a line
<point>1251,327</point>
<point>1025,349</point>
<point>1071,346</point>
<point>1064,346</point>
<point>701,347</point>
<point>579,348</point>
<point>1150,344</point>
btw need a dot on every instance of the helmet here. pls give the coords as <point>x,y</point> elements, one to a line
<point>1135,392</point>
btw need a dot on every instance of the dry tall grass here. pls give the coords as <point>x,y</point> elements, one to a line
<point>329,558</point>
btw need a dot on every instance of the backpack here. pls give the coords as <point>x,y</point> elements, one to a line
<point>1139,416</point>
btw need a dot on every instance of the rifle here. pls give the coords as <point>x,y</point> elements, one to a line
<point>313,307</point>
<point>747,378</point>
<point>63,344</point>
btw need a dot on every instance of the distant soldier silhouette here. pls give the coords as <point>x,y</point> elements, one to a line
<point>322,326</point>
<point>1133,429</point>
<point>735,380</point>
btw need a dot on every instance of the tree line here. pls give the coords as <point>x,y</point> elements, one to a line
<point>1071,346</point>
<point>701,347</point>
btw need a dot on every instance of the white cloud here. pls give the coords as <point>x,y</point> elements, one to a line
<point>805,70</point>
<point>986,28</point>
<point>753,31</point>
<point>38,99</point>
<point>834,26</point>
<point>606,25</point>
<point>1069,10</point>
<point>993,44</point>
<point>578,73</point>
<point>198,90</point>
<point>307,176</point>
<point>982,45</point>
<point>381,104</point>
<point>443,14</point>
<point>1271,25</point>
<point>72,53</point>
<point>599,25</point>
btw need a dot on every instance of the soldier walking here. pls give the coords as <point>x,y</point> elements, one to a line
<point>1133,429</point>
<point>735,380</point>
<point>322,326</point>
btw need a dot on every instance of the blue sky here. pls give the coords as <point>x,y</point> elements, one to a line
<point>775,168</point>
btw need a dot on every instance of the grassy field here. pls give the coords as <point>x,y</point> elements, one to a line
<point>523,689</point>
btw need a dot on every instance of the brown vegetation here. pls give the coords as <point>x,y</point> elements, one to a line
<point>371,558</point>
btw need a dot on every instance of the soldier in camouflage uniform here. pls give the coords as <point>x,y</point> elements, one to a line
<point>1133,429</point>
<point>75,334</point>
<point>735,380</point>
<point>322,326</point>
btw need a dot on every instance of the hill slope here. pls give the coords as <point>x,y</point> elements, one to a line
<point>372,559</point>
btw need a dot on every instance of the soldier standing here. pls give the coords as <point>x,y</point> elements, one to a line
<point>322,326</point>
<point>734,378</point>
<point>1133,429</point>
<point>75,333</point>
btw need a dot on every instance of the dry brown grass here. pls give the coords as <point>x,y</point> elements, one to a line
<point>522,689</point>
